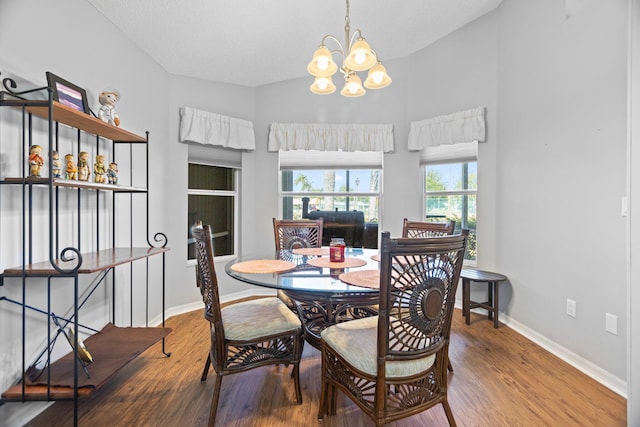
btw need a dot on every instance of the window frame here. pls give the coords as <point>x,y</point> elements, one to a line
<point>235,193</point>
<point>462,192</point>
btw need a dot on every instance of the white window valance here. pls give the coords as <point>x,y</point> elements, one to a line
<point>311,159</point>
<point>331,137</point>
<point>464,126</point>
<point>208,128</point>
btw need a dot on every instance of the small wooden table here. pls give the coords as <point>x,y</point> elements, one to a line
<point>491,305</point>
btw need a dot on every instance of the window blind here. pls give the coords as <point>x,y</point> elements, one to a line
<point>462,152</point>
<point>313,159</point>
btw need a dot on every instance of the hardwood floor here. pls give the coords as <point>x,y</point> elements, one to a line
<point>500,379</point>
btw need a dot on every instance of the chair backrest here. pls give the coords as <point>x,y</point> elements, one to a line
<point>427,229</point>
<point>418,282</point>
<point>292,234</point>
<point>206,278</point>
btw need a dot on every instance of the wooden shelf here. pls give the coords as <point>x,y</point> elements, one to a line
<point>80,120</point>
<point>71,183</point>
<point>112,349</point>
<point>91,262</point>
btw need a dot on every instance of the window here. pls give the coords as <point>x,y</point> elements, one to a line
<point>330,190</point>
<point>213,200</point>
<point>451,188</point>
<point>333,185</point>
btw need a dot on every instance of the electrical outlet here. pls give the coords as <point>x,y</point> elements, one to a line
<point>611,323</point>
<point>571,307</point>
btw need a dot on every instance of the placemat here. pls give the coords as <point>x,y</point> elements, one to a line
<point>347,263</point>
<point>363,278</point>
<point>261,266</point>
<point>311,251</point>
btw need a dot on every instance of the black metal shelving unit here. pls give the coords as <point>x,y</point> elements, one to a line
<point>69,262</point>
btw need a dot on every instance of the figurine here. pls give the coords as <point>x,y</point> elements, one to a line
<point>107,112</point>
<point>72,170</point>
<point>99,170</point>
<point>83,166</point>
<point>112,173</point>
<point>35,161</point>
<point>56,165</point>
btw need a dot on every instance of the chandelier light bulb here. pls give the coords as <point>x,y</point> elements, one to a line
<point>322,86</point>
<point>361,57</point>
<point>377,78</point>
<point>353,86</point>
<point>323,64</point>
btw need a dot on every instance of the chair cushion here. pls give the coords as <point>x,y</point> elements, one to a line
<point>256,318</point>
<point>356,342</point>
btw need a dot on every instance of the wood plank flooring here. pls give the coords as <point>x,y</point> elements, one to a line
<point>499,379</point>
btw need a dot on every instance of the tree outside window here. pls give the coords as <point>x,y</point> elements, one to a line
<point>451,194</point>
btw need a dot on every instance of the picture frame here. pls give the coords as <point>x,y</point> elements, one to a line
<point>68,94</point>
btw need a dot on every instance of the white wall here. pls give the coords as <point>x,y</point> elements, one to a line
<point>553,165</point>
<point>561,172</point>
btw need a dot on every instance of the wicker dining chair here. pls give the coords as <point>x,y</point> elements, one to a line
<point>427,229</point>
<point>292,234</point>
<point>394,365</point>
<point>247,334</point>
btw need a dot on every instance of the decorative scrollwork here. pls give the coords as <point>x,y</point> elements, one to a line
<point>10,85</point>
<point>160,238</point>
<point>69,254</point>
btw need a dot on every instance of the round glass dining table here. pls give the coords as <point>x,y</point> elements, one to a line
<point>320,297</point>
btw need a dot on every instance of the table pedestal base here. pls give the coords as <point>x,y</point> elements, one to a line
<point>318,311</point>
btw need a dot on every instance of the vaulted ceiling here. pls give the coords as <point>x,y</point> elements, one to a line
<point>256,42</point>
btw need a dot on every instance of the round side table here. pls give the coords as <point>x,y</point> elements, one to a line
<point>492,280</point>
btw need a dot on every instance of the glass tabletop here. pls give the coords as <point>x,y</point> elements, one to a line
<point>305,277</point>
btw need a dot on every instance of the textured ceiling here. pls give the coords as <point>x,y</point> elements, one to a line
<point>255,42</point>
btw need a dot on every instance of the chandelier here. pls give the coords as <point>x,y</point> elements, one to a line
<point>356,56</point>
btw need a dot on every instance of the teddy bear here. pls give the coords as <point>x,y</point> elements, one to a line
<point>107,112</point>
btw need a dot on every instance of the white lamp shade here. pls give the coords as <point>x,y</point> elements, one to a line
<point>322,64</point>
<point>323,86</point>
<point>377,78</point>
<point>353,87</point>
<point>361,57</point>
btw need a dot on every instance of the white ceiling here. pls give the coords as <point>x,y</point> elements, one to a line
<point>255,42</point>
